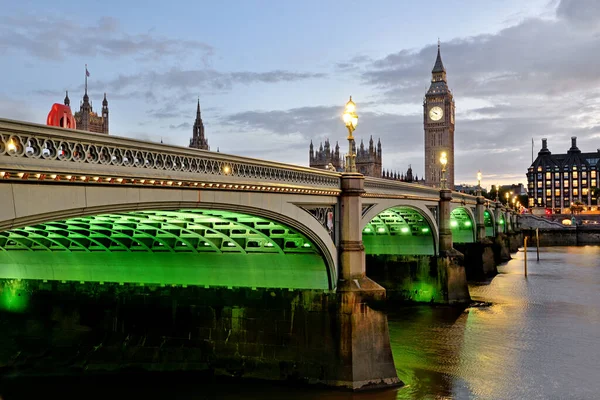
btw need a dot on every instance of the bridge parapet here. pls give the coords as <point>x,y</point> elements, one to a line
<point>38,152</point>
<point>377,187</point>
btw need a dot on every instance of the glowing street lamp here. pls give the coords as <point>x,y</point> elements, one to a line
<point>479,183</point>
<point>507,196</point>
<point>443,161</point>
<point>351,120</point>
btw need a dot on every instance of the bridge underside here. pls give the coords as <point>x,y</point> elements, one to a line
<point>462,226</point>
<point>184,247</point>
<point>489,224</point>
<point>399,231</point>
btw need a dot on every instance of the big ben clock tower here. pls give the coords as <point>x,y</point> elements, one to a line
<point>438,121</point>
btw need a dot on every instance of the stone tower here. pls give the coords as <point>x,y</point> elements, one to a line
<point>368,160</point>
<point>438,122</point>
<point>325,156</point>
<point>105,115</point>
<point>198,140</point>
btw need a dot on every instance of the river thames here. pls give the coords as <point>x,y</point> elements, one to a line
<point>526,338</point>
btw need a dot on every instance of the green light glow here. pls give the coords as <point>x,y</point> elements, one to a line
<point>399,231</point>
<point>190,246</point>
<point>461,225</point>
<point>489,224</point>
<point>13,298</point>
<point>501,222</point>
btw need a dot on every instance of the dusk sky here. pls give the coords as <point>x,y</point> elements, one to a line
<point>272,75</point>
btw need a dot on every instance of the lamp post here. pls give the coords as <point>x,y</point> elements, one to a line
<point>497,192</point>
<point>443,161</point>
<point>479,183</point>
<point>351,120</point>
<point>507,196</point>
<point>514,200</point>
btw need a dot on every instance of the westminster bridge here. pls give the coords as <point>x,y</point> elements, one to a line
<point>123,254</point>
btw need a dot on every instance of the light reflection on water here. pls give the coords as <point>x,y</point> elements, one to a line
<point>539,338</point>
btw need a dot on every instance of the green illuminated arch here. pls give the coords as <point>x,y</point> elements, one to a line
<point>399,231</point>
<point>501,223</point>
<point>488,221</point>
<point>462,226</point>
<point>187,246</point>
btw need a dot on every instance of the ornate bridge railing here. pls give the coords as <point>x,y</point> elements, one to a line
<point>38,152</point>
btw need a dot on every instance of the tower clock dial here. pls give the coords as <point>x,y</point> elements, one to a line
<point>436,113</point>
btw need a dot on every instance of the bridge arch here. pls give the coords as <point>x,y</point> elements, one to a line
<point>462,225</point>
<point>401,229</point>
<point>289,216</point>
<point>489,222</point>
<point>502,222</point>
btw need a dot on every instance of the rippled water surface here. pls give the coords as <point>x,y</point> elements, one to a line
<point>533,338</point>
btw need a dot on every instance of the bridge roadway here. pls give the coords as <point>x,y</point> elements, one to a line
<point>108,213</point>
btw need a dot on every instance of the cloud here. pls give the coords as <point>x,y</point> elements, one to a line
<point>580,13</point>
<point>54,38</point>
<point>184,125</point>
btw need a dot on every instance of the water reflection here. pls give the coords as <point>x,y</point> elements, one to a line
<point>539,338</point>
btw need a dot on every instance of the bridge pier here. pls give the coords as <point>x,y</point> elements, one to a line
<point>480,263</point>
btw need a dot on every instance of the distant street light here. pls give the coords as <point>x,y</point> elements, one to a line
<point>497,192</point>
<point>443,161</point>
<point>479,183</point>
<point>351,120</point>
<point>507,196</point>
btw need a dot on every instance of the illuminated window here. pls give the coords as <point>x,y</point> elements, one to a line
<point>584,174</point>
<point>548,192</point>
<point>539,168</point>
<point>566,183</point>
<point>565,174</point>
<point>583,182</point>
<point>574,167</point>
<point>539,200</point>
<point>531,203</point>
<point>575,183</point>
<point>584,191</point>
<point>539,185</point>
<point>575,192</point>
<point>557,192</point>
<point>548,175</point>
<point>593,182</point>
<point>557,175</point>
<point>574,174</point>
<point>592,174</point>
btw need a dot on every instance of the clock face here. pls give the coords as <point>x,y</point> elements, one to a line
<point>436,113</point>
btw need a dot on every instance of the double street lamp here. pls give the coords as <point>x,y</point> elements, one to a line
<point>443,161</point>
<point>351,120</point>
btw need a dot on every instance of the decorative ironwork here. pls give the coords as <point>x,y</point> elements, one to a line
<point>434,212</point>
<point>366,208</point>
<point>52,145</point>
<point>325,216</point>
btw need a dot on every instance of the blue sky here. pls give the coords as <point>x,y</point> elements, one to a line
<point>272,75</point>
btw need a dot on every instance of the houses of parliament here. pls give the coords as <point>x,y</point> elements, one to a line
<point>438,124</point>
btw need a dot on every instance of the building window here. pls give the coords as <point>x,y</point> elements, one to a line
<point>583,182</point>
<point>557,192</point>
<point>548,192</point>
<point>565,174</point>
<point>566,183</point>
<point>530,185</point>
<point>575,183</point>
<point>584,191</point>
<point>575,192</point>
<point>531,202</point>
<point>540,168</point>
<point>539,200</point>
<point>539,176</point>
<point>574,174</point>
<point>592,174</point>
<point>584,174</point>
<point>557,175</point>
<point>593,182</point>
<point>539,185</point>
<point>548,184</point>
<point>574,167</point>
<point>548,175</point>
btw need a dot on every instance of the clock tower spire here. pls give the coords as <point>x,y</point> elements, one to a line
<point>438,122</point>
